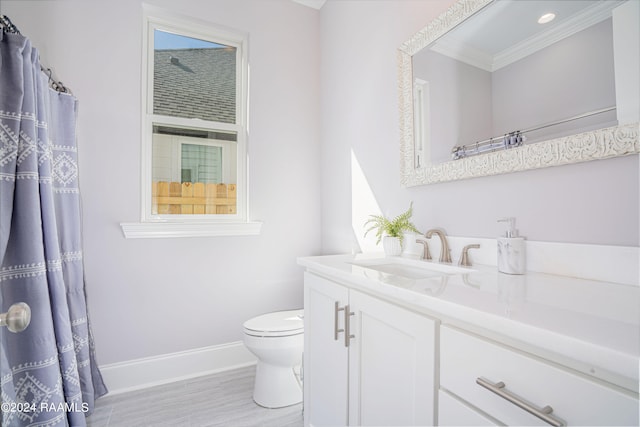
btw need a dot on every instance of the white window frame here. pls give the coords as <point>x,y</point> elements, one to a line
<point>178,141</point>
<point>225,153</point>
<point>150,225</point>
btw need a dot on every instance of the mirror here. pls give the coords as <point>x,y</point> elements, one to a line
<point>485,89</point>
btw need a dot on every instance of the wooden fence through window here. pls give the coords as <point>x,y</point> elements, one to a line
<point>193,198</point>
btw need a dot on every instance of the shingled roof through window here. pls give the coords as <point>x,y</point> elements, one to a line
<point>195,83</point>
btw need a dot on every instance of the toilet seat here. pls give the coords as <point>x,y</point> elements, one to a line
<point>278,324</point>
<point>277,341</point>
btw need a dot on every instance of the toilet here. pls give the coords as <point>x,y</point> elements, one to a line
<point>277,340</point>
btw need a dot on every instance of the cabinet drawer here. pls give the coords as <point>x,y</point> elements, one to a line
<point>574,399</point>
<point>453,412</point>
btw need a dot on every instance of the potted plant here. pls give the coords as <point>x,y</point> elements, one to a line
<point>391,231</point>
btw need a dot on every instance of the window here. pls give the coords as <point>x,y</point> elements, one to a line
<point>193,172</point>
<point>194,168</point>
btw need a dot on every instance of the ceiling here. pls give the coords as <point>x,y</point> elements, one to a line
<point>509,30</point>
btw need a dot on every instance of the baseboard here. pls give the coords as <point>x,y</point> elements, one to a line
<point>151,371</point>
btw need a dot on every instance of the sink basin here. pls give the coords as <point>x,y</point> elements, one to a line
<point>411,269</point>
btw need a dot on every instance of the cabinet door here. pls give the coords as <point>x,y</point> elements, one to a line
<point>391,364</point>
<point>325,358</point>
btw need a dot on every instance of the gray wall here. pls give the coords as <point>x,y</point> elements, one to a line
<point>323,92</point>
<point>460,98</point>
<point>595,202</point>
<point>550,84</point>
<point>154,296</point>
<point>470,104</point>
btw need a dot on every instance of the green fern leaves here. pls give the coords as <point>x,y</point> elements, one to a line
<point>394,227</point>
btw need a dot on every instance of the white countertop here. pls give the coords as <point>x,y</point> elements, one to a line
<point>587,325</point>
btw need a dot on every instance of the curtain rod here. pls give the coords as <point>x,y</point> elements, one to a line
<point>507,141</point>
<point>9,27</point>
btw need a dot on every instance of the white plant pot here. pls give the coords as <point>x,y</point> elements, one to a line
<point>410,248</point>
<point>391,246</point>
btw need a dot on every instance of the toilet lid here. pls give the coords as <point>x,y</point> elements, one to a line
<point>280,323</point>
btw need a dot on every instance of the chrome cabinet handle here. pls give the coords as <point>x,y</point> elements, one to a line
<point>543,413</point>
<point>336,331</point>
<point>347,325</point>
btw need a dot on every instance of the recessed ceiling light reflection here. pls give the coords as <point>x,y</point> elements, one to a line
<point>547,17</point>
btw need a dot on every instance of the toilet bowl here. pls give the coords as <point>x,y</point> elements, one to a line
<point>277,340</point>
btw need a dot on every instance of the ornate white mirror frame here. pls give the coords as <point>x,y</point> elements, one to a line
<point>599,144</point>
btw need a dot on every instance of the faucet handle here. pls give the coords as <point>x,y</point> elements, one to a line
<point>426,252</point>
<point>465,261</point>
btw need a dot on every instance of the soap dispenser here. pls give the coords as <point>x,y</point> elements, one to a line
<point>511,250</point>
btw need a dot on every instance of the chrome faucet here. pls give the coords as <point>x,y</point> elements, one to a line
<point>445,252</point>
<point>426,253</point>
<point>465,260</point>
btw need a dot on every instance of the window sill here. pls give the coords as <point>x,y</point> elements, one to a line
<point>153,230</point>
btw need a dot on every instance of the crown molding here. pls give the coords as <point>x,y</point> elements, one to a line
<point>591,15</point>
<point>585,19</point>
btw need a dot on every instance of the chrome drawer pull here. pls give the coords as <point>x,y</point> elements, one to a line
<point>336,331</point>
<point>543,413</point>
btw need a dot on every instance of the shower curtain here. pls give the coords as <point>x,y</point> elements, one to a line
<point>48,373</point>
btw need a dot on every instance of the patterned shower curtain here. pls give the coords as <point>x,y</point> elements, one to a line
<point>48,372</point>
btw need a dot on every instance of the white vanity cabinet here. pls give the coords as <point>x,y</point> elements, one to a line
<point>366,361</point>
<point>452,411</point>
<point>467,361</point>
<point>326,359</point>
<point>386,344</point>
